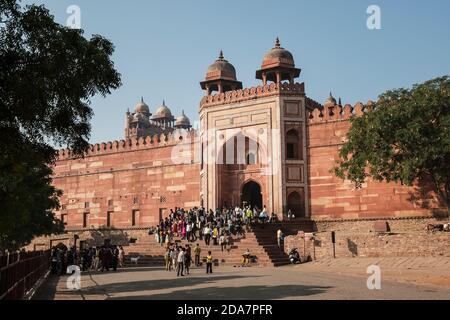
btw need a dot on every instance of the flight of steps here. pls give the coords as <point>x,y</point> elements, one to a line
<point>266,237</point>
<point>260,240</point>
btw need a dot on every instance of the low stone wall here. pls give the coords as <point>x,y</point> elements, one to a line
<point>359,238</point>
<point>415,244</point>
<point>410,224</point>
<point>91,238</point>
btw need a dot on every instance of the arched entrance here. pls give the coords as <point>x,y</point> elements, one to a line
<point>251,194</point>
<point>295,204</point>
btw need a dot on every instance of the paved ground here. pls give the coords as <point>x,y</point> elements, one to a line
<point>434,272</point>
<point>339,279</point>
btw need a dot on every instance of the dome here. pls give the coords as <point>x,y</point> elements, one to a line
<point>277,56</point>
<point>142,107</point>
<point>221,69</point>
<point>330,102</point>
<point>183,121</point>
<point>140,118</point>
<point>163,112</point>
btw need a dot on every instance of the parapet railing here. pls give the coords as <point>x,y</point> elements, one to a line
<point>19,272</point>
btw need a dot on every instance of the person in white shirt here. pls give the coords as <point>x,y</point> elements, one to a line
<point>180,263</point>
<point>207,234</point>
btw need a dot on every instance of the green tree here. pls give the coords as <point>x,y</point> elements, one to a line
<point>48,74</point>
<point>405,138</point>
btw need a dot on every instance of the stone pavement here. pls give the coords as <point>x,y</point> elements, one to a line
<point>318,280</point>
<point>429,271</point>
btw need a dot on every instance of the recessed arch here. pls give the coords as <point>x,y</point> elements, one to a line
<point>252,194</point>
<point>293,145</point>
<point>295,203</point>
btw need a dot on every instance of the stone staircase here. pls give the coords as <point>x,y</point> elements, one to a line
<point>259,239</point>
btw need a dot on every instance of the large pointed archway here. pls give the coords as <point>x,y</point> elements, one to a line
<point>251,194</point>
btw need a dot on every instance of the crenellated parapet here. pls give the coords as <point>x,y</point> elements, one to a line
<point>149,142</point>
<point>253,93</point>
<point>337,113</point>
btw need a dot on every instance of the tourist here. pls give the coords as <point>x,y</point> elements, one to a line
<point>115,258</point>
<point>121,257</point>
<point>207,234</point>
<point>168,259</point>
<point>273,218</point>
<point>180,263</point>
<point>279,237</point>
<point>263,216</point>
<point>188,232</point>
<point>54,261</point>
<point>222,241</point>
<point>106,258</point>
<point>197,252</point>
<point>215,233</point>
<point>187,259</point>
<point>246,258</point>
<point>183,230</point>
<point>248,216</point>
<point>157,230</point>
<point>209,262</point>
<point>175,253</point>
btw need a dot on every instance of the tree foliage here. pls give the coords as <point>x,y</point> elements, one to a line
<point>48,74</point>
<point>404,138</point>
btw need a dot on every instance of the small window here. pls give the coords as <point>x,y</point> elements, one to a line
<point>86,205</point>
<point>109,217</point>
<point>85,220</point>
<point>135,218</point>
<point>136,200</point>
<point>293,145</point>
<point>162,199</point>
<point>64,207</point>
<point>110,202</point>
<point>64,219</point>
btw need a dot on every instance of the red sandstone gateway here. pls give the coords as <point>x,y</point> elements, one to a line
<point>132,183</point>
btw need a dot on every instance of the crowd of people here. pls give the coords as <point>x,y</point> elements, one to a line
<point>209,226</point>
<point>101,258</point>
<point>178,258</point>
<point>213,227</point>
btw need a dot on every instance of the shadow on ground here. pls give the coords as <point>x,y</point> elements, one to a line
<point>160,284</point>
<point>180,288</point>
<point>234,293</point>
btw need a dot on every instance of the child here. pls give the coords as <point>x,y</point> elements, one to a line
<point>209,262</point>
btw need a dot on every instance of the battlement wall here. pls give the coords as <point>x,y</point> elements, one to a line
<point>253,93</point>
<point>333,198</point>
<point>133,144</point>
<point>125,184</point>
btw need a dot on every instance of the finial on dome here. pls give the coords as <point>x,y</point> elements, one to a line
<point>142,99</point>
<point>277,43</point>
<point>340,101</point>
<point>221,55</point>
<point>164,102</point>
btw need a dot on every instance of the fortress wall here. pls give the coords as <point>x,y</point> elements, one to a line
<point>333,198</point>
<point>125,176</point>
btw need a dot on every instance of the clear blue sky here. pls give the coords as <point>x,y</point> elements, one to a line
<point>163,48</point>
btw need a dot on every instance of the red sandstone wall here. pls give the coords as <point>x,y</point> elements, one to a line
<point>332,198</point>
<point>122,177</point>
